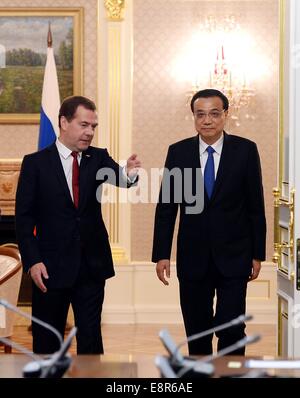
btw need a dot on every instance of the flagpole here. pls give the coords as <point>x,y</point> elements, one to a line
<point>50,99</point>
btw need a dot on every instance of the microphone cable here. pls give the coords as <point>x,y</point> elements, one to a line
<point>13,308</point>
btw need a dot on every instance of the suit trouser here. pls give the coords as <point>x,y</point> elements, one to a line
<point>86,298</point>
<point>196,300</point>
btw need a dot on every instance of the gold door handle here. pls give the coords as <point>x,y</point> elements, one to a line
<point>278,246</point>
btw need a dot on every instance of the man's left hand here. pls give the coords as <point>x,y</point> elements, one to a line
<point>256,266</point>
<point>132,165</point>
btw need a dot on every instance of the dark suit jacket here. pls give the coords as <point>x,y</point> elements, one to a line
<point>43,201</point>
<point>232,226</point>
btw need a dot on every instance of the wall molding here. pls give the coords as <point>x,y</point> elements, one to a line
<point>135,296</point>
<point>151,302</point>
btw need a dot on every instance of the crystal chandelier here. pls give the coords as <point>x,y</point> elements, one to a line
<point>228,77</point>
<point>240,95</point>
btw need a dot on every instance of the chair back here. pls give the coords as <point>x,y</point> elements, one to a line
<point>10,281</point>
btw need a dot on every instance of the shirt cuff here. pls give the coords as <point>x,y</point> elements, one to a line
<point>126,177</point>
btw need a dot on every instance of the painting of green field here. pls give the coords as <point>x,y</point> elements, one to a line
<point>23,54</point>
<point>22,90</point>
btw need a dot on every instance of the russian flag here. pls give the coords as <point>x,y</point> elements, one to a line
<point>50,103</point>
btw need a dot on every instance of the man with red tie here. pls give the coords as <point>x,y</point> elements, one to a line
<point>69,256</point>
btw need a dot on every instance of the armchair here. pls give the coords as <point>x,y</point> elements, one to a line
<point>10,280</point>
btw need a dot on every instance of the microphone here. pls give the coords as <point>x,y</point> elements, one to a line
<point>178,361</point>
<point>227,350</point>
<point>236,321</point>
<point>174,350</point>
<point>164,366</point>
<point>54,366</point>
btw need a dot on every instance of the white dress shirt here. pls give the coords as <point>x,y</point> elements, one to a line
<point>218,146</point>
<point>67,162</point>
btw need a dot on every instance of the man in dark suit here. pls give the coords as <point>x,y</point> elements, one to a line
<point>60,231</point>
<point>219,247</point>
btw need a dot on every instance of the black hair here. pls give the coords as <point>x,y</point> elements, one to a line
<point>70,104</point>
<point>210,92</point>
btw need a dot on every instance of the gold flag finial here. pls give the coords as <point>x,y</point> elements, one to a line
<point>115,9</point>
<point>49,37</point>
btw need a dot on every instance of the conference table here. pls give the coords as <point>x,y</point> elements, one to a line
<point>128,366</point>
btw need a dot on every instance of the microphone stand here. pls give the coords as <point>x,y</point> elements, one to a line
<point>15,309</point>
<point>182,364</point>
<point>177,361</point>
<point>54,366</point>
<point>236,321</point>
<point>60,361</point>
<point>20,348</point>
<point>227,350</point>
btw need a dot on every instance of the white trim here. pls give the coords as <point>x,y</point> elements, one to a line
<point>135,296</point>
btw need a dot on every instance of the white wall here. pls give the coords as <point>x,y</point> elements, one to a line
<point>135,295</point>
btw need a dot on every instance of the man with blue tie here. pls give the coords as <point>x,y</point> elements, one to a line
<point>219,248</point>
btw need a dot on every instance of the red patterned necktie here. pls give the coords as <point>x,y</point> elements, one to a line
<point>75,179</point>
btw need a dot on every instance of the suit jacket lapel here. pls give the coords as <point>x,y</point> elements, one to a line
<point>58,170</point>
<point>194,163</point>
<point>225,161</point>
<point>83,175</point>
<point>194,156</point>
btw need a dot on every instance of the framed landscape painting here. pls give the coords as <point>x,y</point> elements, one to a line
<point>23,49</point>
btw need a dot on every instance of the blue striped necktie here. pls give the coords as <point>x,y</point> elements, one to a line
<point>209,172</point>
